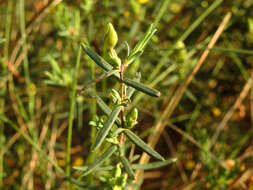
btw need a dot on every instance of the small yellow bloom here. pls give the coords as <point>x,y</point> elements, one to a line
<point>142,1</point>
<point>229,181</point>
<point>61,162</point>
<point>78,161</point>
<point>216,112</point>
<point>126,13</point>
<point>208,185</point>
<point>175,8</point>
<point>190,165</point>
<point>242,168</point>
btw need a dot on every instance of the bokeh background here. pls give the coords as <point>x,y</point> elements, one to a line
<point>207,124</point>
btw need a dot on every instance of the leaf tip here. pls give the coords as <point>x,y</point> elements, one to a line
<point>174,159</point>
<point>158,94</point>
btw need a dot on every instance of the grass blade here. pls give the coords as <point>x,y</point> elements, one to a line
<point>127,166</point>
<point>84,168</point>
<point>100,160</point>
<point>32,142</point>
<point>153,165</point>
<point>107,126</point>
<point>72,112</point>
<point>140,143</point>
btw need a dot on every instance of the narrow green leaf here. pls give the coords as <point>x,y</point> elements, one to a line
<point>96,58</point>
<point>106,66</point>
<point>84,168</point>
<point>78,183</point>
<point>141,87</point>
<point>140,143</point>
<point>130,90</point>
<point>134,57</point>
<point>134,158</point>
<point>153,165</point>
<point>54,65</point>
<point>100,160</point>
<point>127,47</point>
<point>127,166</point>
<point>3,118</point>
<point>2,40</point>
<point>107,126</point>
<point>83,185</point>
<point>118,131</point>
<point>104,107</point>
<point>144,40</point>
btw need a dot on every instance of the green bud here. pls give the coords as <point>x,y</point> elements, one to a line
<point>111,37</point>
<point>110,41</point>
<point>111,56</point>
<point>132,118</point>
<point>117,171</point>
<point>180,53</point>
<point>112,140</point>
<point>31,89</point>
<point>115,97</point>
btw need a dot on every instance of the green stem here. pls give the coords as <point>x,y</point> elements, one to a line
<point>3,90</point>
<point>71,115</point>
<point>161,12</point>
<point>93,111</point>
<point>23,37</point>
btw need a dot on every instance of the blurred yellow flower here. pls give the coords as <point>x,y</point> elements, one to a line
<point>142,1</point>
<point>216,112</point>
<point>61,162</point>
<point>126,13</point>
<point>78,161</point>
<point>189,164</point>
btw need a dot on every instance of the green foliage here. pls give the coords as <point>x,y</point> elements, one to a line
<point>105,128</point>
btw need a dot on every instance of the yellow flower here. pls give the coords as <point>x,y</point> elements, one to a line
<point>216,112</point>
<point>78,161</point>
<point>142,1</point>
<point>126,13</point>
<point>61,163</point>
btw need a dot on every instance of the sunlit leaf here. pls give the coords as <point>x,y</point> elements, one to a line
<point>127,166</point>
<point>107,126</point>
<point>100,159</point>
<point>140,143</point>
<point>153,165</point>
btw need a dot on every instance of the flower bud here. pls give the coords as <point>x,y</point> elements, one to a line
<point>132,118</point>
<point>112,57</point>
<point>111,37</point>
<point>110,41</point>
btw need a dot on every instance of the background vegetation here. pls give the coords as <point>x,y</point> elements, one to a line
<point>200,59</point>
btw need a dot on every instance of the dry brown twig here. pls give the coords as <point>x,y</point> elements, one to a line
<point>173,153</point>
<point>159,127</point>
<point>230,112</point>
<point>13,61</point>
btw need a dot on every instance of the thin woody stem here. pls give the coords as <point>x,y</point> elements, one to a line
<point>122,67</point>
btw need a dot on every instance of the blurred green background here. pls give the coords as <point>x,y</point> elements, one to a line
<point>35,97</point>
